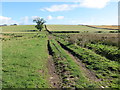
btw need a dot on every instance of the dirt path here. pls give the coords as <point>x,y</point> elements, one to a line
<point>54,78</point>
<point>89,74</point>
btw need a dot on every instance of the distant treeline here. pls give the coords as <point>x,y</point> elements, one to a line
<point>31,30</point>
<point>8,25</point>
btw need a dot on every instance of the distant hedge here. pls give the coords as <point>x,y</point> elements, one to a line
<point>65,31</point>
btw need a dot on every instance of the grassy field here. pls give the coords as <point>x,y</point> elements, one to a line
<point>30,28</point>
<point>18,28</point>
<point>80,28</point>
<point>101,59</point>
<point>24,62</point>
<point>33,59</point>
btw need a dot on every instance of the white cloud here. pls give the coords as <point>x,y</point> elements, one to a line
<point>57,18</point>
<point>24,20</point>
<point>62,7</point>
<point>27,20</point>
<point>49,17</point>
<point>94,3</point>
<point>33,17</point>
<point>6,20</point>
<point>60,17</point>
<point>83,3</point>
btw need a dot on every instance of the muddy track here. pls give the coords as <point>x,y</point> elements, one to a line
<point>86,72</point>
<point>54,78</point>
<point>61,69</point>
<point>89,74</point>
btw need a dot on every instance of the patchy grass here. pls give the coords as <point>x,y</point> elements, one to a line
<point>71,74</point>
<point>25,57</point>
<point>110,52</point>
<point>105,69</point>
<point>24,63</point>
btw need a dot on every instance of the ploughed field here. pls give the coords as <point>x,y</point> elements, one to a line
<point>46,59</point>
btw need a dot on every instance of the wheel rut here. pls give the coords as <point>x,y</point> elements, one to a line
<point>89,74</point>
<point>54,78</point>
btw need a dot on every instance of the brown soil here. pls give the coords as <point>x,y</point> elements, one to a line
<point>54,78</point>
<point>4,36</point>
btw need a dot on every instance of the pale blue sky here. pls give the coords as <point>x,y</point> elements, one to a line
<point>104,13</point>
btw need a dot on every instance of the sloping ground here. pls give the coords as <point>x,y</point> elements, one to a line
<point>73,28</point>
<point>98,64</point>
<point>18,28</point>
<point>27,64</point>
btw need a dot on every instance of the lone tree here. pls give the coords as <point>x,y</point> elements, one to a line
<point>40,23</point>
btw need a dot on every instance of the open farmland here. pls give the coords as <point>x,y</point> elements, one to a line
<point>81,28</point>
<point>19,28</point>
<point>23,64</point>
<point>107,26</point>
<point>33,59</point>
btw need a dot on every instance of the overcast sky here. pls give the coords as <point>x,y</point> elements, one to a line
<point>94,12</point>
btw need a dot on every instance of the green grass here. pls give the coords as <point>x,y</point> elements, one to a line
<point>105,69</point>
<point>25,59</point>
<point>18,28</point>
<point>24,63</point>
<point>110,52</point>
<point>24,28</point>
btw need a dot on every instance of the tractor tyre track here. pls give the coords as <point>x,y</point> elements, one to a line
<point>89,74</point>
<point>54,78</point>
